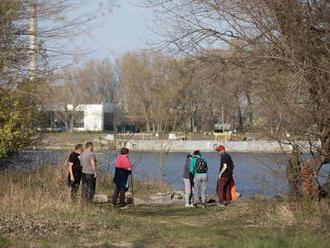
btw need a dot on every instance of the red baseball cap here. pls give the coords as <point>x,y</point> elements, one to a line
<point>220,148</point>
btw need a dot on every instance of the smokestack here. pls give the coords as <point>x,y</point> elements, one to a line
<point>33,41</point>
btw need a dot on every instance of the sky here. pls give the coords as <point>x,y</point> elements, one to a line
<point>126,28</point>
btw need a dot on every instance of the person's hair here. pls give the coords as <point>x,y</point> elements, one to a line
<point>197,152</point>
<point>79,146</point>
<point>124,151</point>
<point>89,145</point>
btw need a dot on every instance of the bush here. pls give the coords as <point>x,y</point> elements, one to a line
<point>18,122</point>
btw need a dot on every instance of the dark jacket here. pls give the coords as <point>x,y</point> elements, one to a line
<point>121,177</point>
<point>186,169</point>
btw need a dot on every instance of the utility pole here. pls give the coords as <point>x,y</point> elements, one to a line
<point>33,68</point>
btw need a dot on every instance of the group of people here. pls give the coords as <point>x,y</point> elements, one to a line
<point>82,167</point>
<point>195,177</point>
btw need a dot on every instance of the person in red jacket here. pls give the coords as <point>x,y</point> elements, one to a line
<point>123,168</point>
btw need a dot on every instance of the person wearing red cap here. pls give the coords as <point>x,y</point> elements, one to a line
<point>225,176</point>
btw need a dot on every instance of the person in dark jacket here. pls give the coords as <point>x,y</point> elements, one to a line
<point>225,177</point>
<point>75,171</point>
<point>123,169</point>
<point>188,180</point>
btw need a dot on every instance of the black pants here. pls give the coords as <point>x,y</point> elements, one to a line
<point>75,184</point>
<point>121,192</point>
<point>88,187</point>
<point>74,190</point>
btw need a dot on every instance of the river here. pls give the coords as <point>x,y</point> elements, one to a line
<point>255,173</point>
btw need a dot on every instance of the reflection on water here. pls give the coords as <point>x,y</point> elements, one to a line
<point>255,173</point>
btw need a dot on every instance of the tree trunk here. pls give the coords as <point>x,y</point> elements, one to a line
<point>175,122</point>
<point>192,125</point>
<point>250,112</point>
<point>293,174</point>
<point>148,126</point>
<point>67,126</point>
<point>71,126</point>
<point>161,168</point>
<point>240,119</point>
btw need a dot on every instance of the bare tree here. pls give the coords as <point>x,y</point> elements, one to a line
<point>285,46</point>
<point>98,80</point>
<point>151,89</point>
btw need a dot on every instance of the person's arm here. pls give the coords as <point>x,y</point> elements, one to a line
<point>223,170</point>
<point>93,162</point>
<point>129,165</point>
<point>71,172</point>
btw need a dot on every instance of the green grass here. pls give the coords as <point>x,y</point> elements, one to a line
<point>102,226</point>
<point>3,241</point>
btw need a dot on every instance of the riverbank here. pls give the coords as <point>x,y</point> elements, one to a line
<point>35,211</point>
<point>63,141</point>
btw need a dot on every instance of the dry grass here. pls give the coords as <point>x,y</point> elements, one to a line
<point>45,190</point>
<point>36,211</point>
<point>34,192</point>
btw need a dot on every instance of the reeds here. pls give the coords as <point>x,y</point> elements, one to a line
<point>40,190</point>
<point>45,190</point>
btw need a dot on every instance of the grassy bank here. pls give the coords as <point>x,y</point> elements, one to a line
<point>66,140</point>
<point>36,212</point>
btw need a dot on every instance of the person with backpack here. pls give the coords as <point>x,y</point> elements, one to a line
<point>75,171</point>
<point>198,166</point>
<point>188,179</point>
<point>123,168</point>
<point>225,177</point>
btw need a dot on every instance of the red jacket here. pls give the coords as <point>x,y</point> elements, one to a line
<point>123,162</point>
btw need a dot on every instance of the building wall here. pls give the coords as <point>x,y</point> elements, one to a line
<point>206,146</point>
<point>93,117</point>
<point>90,117</point>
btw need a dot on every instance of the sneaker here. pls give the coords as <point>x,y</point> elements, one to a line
<point>188,206</point>
<point>220,205</point>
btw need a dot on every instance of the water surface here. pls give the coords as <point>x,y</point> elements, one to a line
<point>255,173</point>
